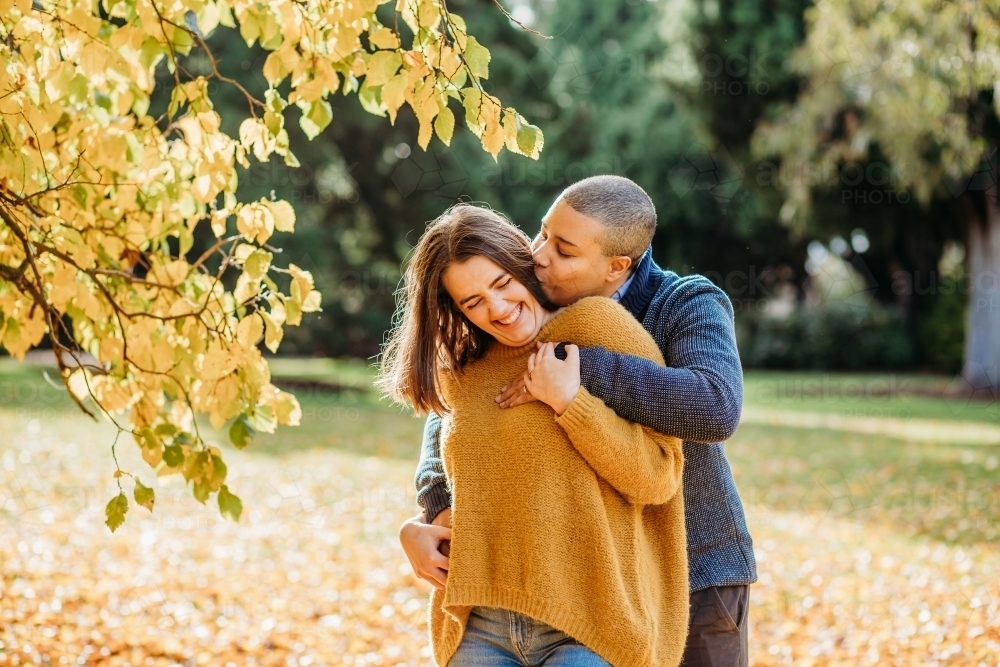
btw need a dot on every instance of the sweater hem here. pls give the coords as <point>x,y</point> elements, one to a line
<point>599,639</point>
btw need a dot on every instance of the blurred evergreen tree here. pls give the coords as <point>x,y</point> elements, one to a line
<point>733,60</point>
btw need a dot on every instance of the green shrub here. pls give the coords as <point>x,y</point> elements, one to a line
<point>836,336</point>
<point>941,332</point>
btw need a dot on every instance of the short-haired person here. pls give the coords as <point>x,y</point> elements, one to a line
<point>590,568</point>
<point>588,245</point>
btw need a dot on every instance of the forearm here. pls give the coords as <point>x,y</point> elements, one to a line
<point>644,466</point>
<point>433,494</point>
<point>695,403</point>
<point>699,396</point>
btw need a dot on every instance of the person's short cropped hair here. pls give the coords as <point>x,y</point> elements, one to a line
<point>621,206</point>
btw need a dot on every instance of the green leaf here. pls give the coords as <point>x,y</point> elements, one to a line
<point>529,139</point>
<point>196,466</point>
<point>218,473</point>
<point>144,495</point>
<point>149,438</point>
<point>166,429</point>
<point>241,432</point>
<point>229,504</point>
<point>173,455</point>
<point>115,511</point>
<point>478,58</point>
<point>202,490</point>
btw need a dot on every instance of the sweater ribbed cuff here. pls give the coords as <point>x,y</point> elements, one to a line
<point>580,411</point>
<point>434,499</point>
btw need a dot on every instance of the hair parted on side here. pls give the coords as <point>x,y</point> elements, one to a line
<point>621,206</point>
<point>430,332</point>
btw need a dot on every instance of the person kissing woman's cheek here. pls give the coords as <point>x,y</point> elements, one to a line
<point>494,300</point>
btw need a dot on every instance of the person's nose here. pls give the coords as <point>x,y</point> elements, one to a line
<point>540,255</point>
<point>498,307</point>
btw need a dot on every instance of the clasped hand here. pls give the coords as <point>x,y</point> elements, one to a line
<point>548,379</point>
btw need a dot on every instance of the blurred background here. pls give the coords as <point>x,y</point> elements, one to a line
<point>686,99</point>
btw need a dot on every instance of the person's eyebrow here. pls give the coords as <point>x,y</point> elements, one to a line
<point>495,281</point>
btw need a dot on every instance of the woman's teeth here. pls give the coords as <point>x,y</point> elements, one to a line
<point>514,314</point>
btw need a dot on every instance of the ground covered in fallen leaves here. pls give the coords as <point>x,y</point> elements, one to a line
<point>313,574</point>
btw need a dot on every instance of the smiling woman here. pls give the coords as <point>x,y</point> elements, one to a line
<point>471,280</point>
<point>589,559</point>
<point>494,301</point>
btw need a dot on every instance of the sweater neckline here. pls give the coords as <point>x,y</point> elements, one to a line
<point>646,281</point>
<point>500,351</point>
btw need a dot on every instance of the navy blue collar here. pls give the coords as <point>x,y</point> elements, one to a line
<point>646,281</point>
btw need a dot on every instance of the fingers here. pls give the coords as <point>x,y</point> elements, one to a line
<point>572,352</point>
<point>435,576</point>
<point>517,395</point>
<point>429,563</point>
<point>511,390</point>
<point>521,399</point>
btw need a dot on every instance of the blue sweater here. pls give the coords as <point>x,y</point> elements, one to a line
<point>697,398</point>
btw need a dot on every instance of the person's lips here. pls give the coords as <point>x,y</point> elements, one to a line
<point>512,317</point>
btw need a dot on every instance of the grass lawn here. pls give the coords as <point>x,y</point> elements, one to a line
<point>875,545</point>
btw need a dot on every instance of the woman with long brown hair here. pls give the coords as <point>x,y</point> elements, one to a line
<point>587,564</point>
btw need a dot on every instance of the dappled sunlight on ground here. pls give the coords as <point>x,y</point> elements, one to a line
<point>313,574</point>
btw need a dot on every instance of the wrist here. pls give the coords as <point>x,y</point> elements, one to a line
<point>562,405</point>
<point>434,499</point>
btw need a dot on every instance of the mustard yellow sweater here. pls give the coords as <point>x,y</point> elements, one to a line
<point>593,543</point>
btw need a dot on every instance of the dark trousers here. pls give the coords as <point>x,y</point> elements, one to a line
<point>717,633</point>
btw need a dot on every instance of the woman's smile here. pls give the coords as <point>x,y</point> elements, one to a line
<point>493,300</point>
<point>512,317</point>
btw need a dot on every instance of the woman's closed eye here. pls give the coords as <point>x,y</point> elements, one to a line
<point>504,285</point>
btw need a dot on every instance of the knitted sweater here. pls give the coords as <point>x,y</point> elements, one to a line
<point>697,397</point>
<point>594,544</point>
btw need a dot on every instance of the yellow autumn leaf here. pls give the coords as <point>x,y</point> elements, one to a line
<point>444,125</point>
<point>384,38</point>
<point>284,215</point>
<point>104,202</point>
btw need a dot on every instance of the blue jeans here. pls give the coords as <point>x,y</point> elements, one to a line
<point>503,638</point>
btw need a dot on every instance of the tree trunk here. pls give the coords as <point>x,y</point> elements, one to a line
<point>982,337</point>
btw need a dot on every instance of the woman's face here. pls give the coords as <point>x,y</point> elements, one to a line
<point>494,300</point>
